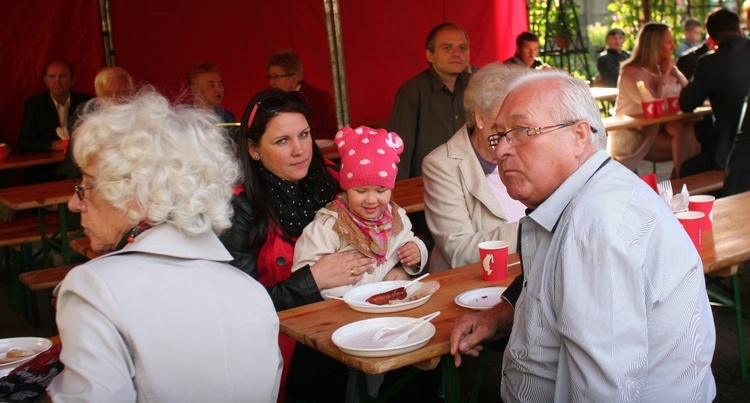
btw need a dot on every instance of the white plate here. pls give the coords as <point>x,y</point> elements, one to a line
<point>481,298</point>
<point>356,338</point>
<point>356,298</point>
<point>31,343</point>
<point>323,143</point>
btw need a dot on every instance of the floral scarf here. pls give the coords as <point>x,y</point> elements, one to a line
<point>370,237</point>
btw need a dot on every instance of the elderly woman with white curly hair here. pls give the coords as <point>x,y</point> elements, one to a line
<point>162,316</point>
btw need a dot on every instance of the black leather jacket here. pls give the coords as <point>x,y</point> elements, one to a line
<point>299,289</point>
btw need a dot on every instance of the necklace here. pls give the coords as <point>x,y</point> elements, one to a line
<point>142,226</point>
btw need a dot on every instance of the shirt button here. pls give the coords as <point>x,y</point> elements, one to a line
<point>280,261</point>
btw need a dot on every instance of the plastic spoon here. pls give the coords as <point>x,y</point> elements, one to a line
<point>402,338</point>
<point>387,329</point>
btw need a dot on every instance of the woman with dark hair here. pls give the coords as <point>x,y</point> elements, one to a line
<point>286,180</point>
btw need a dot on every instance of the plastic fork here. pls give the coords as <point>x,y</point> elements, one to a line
<point>665,190</point>
<point>387,329</point>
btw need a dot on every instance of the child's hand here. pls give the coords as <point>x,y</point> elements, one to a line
<point>396,273</point>
<point>409,254</point>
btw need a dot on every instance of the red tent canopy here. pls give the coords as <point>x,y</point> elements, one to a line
<point>157,42</point>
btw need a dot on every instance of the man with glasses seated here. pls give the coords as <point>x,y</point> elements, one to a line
<point>611,303</point>
<point>285,73</point>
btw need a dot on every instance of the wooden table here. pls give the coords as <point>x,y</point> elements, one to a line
<point>637,121</point>
<point>31,159</point>
<point>701,183</point>
<point>604,93</point>
<point>723,249</point>
<point>409,194</point>
<point>305,323</point>
<point>43,195</point>
<point>728,244</point>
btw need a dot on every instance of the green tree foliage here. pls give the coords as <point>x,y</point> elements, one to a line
<point>547,18</point>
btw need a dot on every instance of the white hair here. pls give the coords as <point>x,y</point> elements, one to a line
<point>160,163</point>
<point>570,100</point>
<point>487,89</point>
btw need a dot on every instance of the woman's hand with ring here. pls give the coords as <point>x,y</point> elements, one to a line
<point>342,268</point>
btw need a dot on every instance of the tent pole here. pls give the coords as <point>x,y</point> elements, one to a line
<point>109,50</point>
<point>338,69</point>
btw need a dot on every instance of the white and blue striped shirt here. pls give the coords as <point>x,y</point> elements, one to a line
<point>614,305</point>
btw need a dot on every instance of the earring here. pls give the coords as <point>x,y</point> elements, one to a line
<point>256,157</point>
<point>481,127</point>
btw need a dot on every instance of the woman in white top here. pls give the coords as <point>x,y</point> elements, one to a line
<point>653,64</point>
<point>162,317</point>
<point>465,201</point>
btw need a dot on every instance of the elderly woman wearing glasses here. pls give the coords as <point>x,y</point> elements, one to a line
<point>286,180</point>
<point>465,201</point>
<point>162,316</point>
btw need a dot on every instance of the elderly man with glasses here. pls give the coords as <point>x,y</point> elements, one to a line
<point>285,73</point>
<point>612,304</point>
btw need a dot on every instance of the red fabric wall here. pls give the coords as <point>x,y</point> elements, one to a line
<point>159,41</point>
<point>31,36</point>
<point>383,42</point>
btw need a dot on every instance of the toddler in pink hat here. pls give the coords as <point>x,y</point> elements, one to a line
<point>363,217</point>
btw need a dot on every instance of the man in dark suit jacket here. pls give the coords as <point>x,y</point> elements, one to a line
<point>723,78</point>
<point>47,114</point>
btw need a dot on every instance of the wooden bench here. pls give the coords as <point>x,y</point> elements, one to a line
<point>39,280</point>
<point>83,247</point>
<point>25,230</point>
<point>17,237</point>
<point>702,183</point>
<point>45,279</point>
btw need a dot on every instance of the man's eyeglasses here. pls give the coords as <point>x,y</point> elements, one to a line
<point>81,189</point>
<point>521,134</point>
<point>274,103</point>
<point>278,76</point>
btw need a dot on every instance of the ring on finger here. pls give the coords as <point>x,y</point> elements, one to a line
<point>352,272</point>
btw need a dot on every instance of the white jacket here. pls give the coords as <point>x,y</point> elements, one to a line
<point>165,319</point>
<point>319,239</point>
<point>460,208</point>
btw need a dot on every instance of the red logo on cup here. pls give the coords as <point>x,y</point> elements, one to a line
<point>494,258</point>
<point>673,104</point>
<point>659,106</point>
